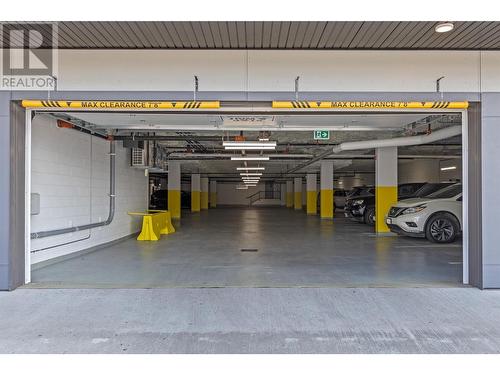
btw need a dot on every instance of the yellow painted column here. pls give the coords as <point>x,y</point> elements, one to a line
<point>174,189</point>
<point>195,192</point>
<point>386,185</point>
<point>297,193</point>
<point>326,192</point>
<point>213,193</point>
<point>312,194</point>
<point>204,193</point>
<point>289,194</point>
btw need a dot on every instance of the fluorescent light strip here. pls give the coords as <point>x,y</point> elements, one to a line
<point>448,168</point>
<point>250,168</point>
<point>248,144</point>
<point>251,174</point>
<point>249,148</point>
<point>249,158</point>
<point>242,187</point>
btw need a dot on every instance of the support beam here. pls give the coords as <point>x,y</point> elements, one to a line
<point>326,193</point>
<point>312,193</point>
<point>386,185</point>
<point>195,192</point>
<point>174,189</point>
<point>204,193</point>
<point>297,191</point>
<point>213,193</point>
<point>289,194</point>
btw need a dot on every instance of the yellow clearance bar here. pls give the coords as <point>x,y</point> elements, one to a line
<point>369,105</point>
<point>120,104</point>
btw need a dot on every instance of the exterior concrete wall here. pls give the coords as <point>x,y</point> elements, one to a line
<point>70,171</point>
<point>261,71</point>
<point>490,181</point>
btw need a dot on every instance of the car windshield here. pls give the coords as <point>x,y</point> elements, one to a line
<point>447,192</point>
<point>430,188</point>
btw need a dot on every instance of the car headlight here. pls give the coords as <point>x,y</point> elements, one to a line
<point>358,201</point>
<point>413,210</point>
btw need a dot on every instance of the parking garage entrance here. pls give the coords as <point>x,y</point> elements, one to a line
<point>282,194</point>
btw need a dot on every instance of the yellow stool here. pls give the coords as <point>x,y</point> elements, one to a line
<point>154,224</point>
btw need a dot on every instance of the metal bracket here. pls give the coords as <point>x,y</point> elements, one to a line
<point>438,84</point>
<point>195,92</point>
<point>297,87</point>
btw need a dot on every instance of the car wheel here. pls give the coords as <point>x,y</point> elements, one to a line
<point>442,228</point>
<point>370,216</point>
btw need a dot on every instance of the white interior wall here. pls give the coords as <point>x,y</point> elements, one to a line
<point>227,194</point>
<point>381,71</point>
<point>74,189</point>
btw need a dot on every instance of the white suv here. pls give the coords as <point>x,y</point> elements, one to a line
<point>438,216</point>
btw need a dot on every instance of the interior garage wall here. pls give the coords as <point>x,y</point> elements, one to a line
<point>227,195</point>
<point>70,171</point>
<point>425,170</point>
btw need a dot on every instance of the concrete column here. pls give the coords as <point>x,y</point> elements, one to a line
<point>312,194</point>
<point>204,193</point>
<point>386,185</point>
<point>213,193</point>
<point>195,192</point>
<point>297,193</point>
<point>326,189</point>
<point>174,189</point>
<point>289,194</point>
<point>283,194</point>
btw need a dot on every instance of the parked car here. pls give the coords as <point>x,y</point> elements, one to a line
<point>339,198</point>
<point>437,217</point>
<point>159,200</point>
<point>361,208</point>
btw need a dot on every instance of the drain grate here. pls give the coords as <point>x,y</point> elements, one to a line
<point>249,250</point>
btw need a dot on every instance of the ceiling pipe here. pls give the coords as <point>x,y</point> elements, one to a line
<point>390,142</point>
<point>416,140</point>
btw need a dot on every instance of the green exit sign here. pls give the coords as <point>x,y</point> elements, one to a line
<point>321,134</point>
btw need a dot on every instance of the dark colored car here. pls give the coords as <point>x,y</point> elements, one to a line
<point>361,205</point>
<point>159,200</point>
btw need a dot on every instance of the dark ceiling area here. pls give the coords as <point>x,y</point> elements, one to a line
<point>276,35</point>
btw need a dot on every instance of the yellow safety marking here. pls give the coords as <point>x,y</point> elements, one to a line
<point>289,199</point>
<point>120,104</point>
<point>312,203</point>
<point>204,200</point>
<point>195,201</point>
<point>297,202</point>
<point>385,197</point>
<point>154,224</point>
<point>174,203</point>
<point>326,203</point>
<point>370,105</point>
<point>213,200</point>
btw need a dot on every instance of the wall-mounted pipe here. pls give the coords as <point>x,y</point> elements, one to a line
<point>112,183</point>
<point>401,141</point>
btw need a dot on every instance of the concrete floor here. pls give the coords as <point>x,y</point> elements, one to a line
<point>294,250</point>
<point>250,320</point>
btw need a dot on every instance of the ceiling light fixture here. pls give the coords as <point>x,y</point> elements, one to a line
<point>235,145</point>
<point>251,174</point>
<point>249,158</point>
<point>444,27</point>
<point>241,187</point>
<point>448,168</point>
<point>250,168</point>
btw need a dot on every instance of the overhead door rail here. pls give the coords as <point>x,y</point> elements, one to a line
<point>121,104</point>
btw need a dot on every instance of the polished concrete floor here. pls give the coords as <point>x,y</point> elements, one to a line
<point>250,320</point>
<point>293,250</point>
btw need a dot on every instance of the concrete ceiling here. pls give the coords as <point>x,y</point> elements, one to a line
<point>277,35</point>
